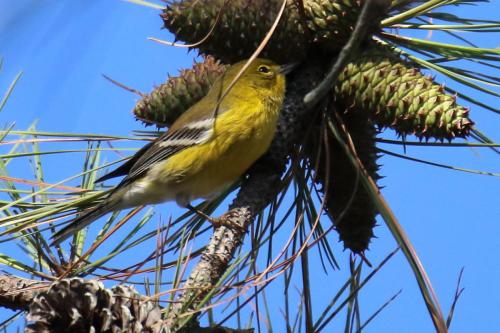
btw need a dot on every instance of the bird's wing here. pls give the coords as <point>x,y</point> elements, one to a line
<point>165,146</point>
<point>173,142</point>
<point>162,148</point>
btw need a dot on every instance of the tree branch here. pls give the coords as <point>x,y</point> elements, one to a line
<point>17,293</point>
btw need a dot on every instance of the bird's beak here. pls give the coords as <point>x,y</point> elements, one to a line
<point>288,68</point>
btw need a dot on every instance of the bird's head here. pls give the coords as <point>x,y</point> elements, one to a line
<point>262,75</point>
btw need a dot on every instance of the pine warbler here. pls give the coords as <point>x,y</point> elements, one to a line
<point>206,149</point>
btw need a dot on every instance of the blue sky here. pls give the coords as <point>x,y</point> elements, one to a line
<point>452,218</point>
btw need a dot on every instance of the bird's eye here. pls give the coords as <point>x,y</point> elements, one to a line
<point>263,69</point>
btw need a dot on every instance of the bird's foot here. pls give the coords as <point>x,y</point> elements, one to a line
<point>227,222</point>
<point>224,220</point>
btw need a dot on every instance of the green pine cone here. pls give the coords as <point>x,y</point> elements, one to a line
<point>169,100</point>
<point>331,22</point>
<point>243,24</point>
<point>397,95</point>
<point>355,221</point>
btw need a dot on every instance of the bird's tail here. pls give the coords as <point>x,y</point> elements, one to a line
<point>83,220</point>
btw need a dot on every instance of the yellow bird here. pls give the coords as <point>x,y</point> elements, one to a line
<point>206,149</point>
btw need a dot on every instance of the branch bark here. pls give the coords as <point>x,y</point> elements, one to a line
<point>17,293</point>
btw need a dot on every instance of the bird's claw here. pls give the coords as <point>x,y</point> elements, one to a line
<point>225,221</point>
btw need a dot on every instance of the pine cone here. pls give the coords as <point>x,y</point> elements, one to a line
<point>169,100</point>
<point>244,23</point>
<point>79,306</point>
<point>397,95</point>
<point>331,22</point>
<point>355,222</point>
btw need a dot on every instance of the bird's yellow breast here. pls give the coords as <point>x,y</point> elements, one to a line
<point>239,138</point>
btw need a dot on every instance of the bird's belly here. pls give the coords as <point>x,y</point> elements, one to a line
<point>196,172</point>
<point>144,192</point>
<point>206,169</point>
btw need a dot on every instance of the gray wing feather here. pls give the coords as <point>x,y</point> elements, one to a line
<point>165,146</point>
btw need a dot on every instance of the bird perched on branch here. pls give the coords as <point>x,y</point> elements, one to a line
<point>205,150</point>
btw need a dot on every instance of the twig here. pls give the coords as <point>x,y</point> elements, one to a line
<point>121,85</point>
<point>458,292</point>
<point>201,41</point>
